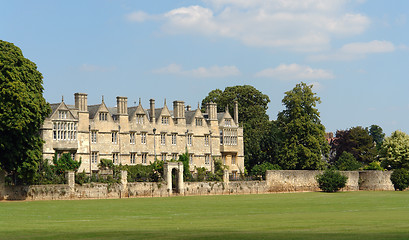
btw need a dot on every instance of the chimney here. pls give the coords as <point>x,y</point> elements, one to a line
<point>122,105</point>
<point>188,108</point>
<point>152,110</point>
<point>236,112</point>
<point>81,102</point>
<point>211,109</point>
<point>179,109</point>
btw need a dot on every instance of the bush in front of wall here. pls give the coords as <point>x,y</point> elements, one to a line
<point>400,179</point>
<point>331,180</point>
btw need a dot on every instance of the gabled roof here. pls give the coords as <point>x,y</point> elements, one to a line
<point>61,106</point>
<point>189,115</point>
<point>225,115</point>
<point>163,112</point>
<point>94,109</point>
<point>54,107</point>
<point>132,111</point>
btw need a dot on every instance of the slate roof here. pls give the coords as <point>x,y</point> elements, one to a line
<point>92,109</point>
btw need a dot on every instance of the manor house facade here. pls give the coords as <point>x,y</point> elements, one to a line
<point>134,135</point>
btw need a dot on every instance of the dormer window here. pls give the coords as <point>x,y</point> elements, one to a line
<point>227,122</point>
<point>199,122</point>
<point>139,118</point>
<point>103,116</point>
<point>62,114</point>
<point>165,120</point>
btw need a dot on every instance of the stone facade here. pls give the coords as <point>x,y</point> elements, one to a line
<point>134,135</point>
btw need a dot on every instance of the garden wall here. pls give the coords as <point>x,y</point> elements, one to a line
<point>303,180</point>
<point>276,181</point>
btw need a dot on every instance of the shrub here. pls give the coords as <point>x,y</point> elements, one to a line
<point>184,158</point>
<point>260,170</point>
<point>81,178</point>
<point>201,174</point>
<point>144,173</point>
<point>347,162</point>
<point>374,166</point>
<point>400,179</point>
<point>331,180</point>
<point>105,164</point>
<point>65,163</point>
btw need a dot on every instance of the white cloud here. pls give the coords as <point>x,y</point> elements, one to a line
<point>356,50</point>
<point>138,16</point>
<point>307,25</point>
<point>295,72</point>
<point>96,68</point>
<point>201,72</point>
<point>368,47</point>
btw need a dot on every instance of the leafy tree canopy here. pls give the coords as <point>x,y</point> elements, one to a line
<point>394,152</point>
<point>252,102</point>
<point>303,136</point>
<point>356,141</point>
<point>347,162</point>
<point>252,115</point>
<point>377,134</point>
<point>22,111</point>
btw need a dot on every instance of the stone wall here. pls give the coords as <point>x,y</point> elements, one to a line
<point>375,181</point>
<point>276,181</point>
<point>302,180</point>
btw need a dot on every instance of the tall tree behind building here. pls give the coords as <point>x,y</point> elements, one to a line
<point>252,116</point>
<point>22,111</point>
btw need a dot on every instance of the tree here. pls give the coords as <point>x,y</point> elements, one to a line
<point>260,170</point>
<point>377,134</point>
<point>22,111</point>
<point>303,135</point>
<point>252,102</point>
<point>347,162</point>
<point>252,116</point>
<point>356,141</point>
<point>394,152</point>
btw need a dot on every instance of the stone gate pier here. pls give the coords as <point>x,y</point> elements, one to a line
<point>167,171</point>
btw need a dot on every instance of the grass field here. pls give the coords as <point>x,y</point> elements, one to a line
<point>345,215</point>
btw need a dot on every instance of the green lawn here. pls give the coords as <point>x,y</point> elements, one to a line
<point>345,215</point>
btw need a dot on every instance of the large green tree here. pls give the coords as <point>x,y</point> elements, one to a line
<point>394,152</point>
<point>252,116</point>
<point>377,135</point>
<point>303,142</point>
<point>22,111</point>
<point>356,141</point>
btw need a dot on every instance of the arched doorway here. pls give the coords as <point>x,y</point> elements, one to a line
<point>175,184</point>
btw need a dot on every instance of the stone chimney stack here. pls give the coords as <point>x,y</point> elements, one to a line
<point>81,102</point>
<point>179,112</point>
<point>236,112</point>
<point>122,105</point>
<point>152,110</point>
<point>211,109</point>
<point>179,109</point>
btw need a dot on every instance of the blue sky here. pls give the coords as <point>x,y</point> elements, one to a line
<point>354,52</point>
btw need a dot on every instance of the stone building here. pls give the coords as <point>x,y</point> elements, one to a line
<point>134,135</point>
